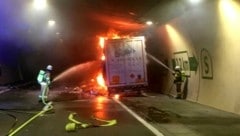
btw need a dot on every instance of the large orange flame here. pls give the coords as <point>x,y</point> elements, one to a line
<point>111,34</point>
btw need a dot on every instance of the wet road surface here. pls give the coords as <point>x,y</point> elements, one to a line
<point>23,105</point>
<point>169,116</point>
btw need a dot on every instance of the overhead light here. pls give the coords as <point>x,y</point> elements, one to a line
<point>51,23</point>
<point>195,1</point>
<point>149,22</point>
<point>40,4</point>
<point>229,10</point>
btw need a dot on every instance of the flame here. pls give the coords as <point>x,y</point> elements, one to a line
<point>103,57</point>
<point>101,86</point>
<point>100,80</point>
<point>111,34</point>
<point>101,42</point>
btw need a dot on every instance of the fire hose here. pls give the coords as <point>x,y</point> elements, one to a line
<point>15,121</point>
<point>74,124</point>
<point>159,62</point>
<point>46,108</point>
<point>166,67</point>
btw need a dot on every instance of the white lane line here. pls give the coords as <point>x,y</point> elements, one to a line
<point>3,91</point>
<point>149,126</point>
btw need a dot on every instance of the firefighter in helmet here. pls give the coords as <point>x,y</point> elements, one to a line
<point>179,78</point>
<point>44,81</point>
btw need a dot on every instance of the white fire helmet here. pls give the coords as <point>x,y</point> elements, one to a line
<point>177,68</point>
<point>49,67</point>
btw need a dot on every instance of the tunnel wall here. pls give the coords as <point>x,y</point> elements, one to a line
<point>207,35</point>
<point>9,75</point>
<point>9,66</point>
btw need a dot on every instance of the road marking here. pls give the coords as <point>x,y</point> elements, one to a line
<point>3,91</point>
<point>149,126</point>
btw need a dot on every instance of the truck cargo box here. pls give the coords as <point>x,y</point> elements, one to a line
<point>125,63</point>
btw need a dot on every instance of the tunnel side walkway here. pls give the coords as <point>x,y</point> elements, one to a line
<point>174,117</point>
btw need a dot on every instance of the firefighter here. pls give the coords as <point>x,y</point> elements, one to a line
<point>44,81</point>
<point>179,78</point>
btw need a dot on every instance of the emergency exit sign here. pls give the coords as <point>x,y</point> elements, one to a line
<point>193,63</point>
<point>181,59</point>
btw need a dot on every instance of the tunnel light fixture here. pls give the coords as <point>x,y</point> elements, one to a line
<point>149,23</point>
<point>40,4</point>
<point>229,10</point>
<point>51,23</point>
<point>195,1</point>
<point>229,13</point>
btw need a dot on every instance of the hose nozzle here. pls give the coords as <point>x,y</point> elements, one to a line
<point>70,127</point>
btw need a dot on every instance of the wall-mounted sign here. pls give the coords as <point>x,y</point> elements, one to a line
<point>206,63</point>
<point>193,63</point>
<point>181,59</point>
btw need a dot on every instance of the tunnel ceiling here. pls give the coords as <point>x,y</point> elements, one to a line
<point>94,17</point>
<point>87,17</point>
<point>101,15</point>
<point>82,18</point>
<point>78,23</point>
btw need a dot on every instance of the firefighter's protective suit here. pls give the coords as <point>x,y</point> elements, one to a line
<point>44,81</point>
<point>179,78</point>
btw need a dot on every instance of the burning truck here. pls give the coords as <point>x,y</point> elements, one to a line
<point>125,65</point>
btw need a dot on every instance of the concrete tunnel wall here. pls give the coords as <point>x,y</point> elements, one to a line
<point>9,70</point>
<point>211,36</point>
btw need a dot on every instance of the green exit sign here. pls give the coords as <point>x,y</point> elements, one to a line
<point>193,63</point>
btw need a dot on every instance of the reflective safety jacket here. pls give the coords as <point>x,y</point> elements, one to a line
<point>179,76</point>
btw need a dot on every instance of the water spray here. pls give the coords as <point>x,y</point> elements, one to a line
<point>159,62</point>
<point>83,70</point>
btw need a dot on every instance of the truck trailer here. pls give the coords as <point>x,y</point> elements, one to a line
<point>125,65</point>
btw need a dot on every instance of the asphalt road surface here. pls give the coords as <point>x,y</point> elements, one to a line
<point>22,105</point>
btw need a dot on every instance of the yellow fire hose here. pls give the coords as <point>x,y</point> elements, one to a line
<point>46,108</point>
<point>74,124</point>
